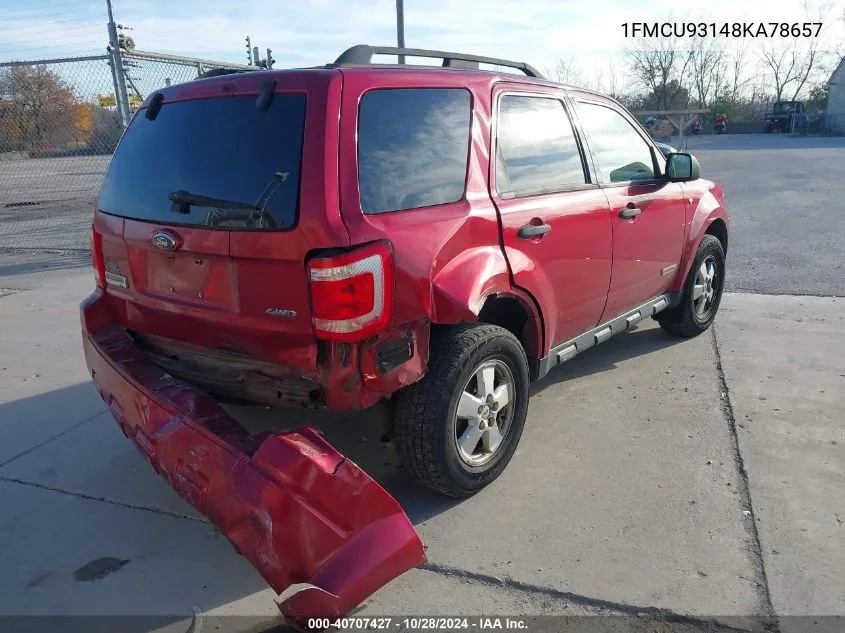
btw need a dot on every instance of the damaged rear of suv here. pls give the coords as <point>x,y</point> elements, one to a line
<point>352,235</point>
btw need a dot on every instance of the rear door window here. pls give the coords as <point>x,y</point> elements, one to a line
<point>218,163</point>
<point>413,146</point>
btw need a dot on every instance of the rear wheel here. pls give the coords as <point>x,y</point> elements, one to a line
<point>457,429</point>
<point>702,292</point>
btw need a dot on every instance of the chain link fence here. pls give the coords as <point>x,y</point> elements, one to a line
<point>59,124</point>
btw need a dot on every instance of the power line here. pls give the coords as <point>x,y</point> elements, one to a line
<point>40,24</point>
<point>40,8</point>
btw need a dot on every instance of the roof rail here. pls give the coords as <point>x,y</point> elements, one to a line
<point>216,72</point>
<point>362,55</point>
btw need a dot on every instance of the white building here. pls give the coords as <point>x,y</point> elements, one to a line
<point>835,113</point>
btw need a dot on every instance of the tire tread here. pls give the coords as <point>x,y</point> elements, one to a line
<point>418,406</point>
<point>681,321</point>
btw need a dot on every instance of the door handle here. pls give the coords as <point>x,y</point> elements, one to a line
<point>530,231</point>
<point>630,212</point>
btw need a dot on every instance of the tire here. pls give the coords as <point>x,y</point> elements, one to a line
<point>427,426</point>
<point>691,318</point>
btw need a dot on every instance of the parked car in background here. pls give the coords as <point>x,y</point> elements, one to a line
<point>665,149</point>
<point>781,115</point>
<point>427,239</point>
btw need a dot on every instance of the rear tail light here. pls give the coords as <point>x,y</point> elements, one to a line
<point>97,260</point>
<point>352,294</point>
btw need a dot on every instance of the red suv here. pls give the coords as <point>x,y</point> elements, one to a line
<point>336,237</point>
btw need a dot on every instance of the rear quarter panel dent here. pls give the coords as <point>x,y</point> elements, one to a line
<point>460,288</point>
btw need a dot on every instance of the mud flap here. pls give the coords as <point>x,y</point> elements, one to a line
<point>290,503</point>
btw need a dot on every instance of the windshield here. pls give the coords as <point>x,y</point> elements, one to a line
<point>783,107</point>
<point>218,163</point>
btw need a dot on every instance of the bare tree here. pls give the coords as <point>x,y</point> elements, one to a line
<point>738,60</point>
<point>612,79</point>
<point>565,70</point>
<point>792,62</point>
<point>660,67</point>
<point>789,66</point>
<point>605,78</point>
<point>707,69</point>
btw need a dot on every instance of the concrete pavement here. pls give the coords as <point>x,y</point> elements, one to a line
<point>784,362</point>
<point>699,478</point>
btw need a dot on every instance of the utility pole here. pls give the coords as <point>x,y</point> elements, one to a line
<point>121,94</point>
<point>400,27</point>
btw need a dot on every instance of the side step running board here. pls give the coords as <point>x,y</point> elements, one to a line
<point>603,332</point>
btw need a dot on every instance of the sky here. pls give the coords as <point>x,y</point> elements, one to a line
<point>316,31</point>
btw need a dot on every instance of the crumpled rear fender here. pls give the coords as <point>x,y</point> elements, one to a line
<point>461,288</point>
<point>290,503</point>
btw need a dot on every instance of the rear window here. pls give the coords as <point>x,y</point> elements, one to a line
<point>413,146</point>
<point>217,163</point>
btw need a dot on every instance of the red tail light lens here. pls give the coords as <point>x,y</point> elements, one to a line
<point>352,294</point>
<point>97,260</point>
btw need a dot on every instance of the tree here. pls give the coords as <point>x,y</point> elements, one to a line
<point>789,66</point>
<point>707,69</point>
<point>737,59</point>
<point>792,64</point>
<point>672,96</point>
<point>39,106</point>
<point>83,119</point>
<point>660,67</point>
<point>564,70</point>
<point>106,129</point>
<point>605,79</point>
<point>611,83</point>
<point>817,100</point>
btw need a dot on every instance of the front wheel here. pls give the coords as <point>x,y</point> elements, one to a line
<point>702,292</point>
<point>458,427</point>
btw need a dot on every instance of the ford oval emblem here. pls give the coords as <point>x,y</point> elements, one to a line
<point>166,241</point>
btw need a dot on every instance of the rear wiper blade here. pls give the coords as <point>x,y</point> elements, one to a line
<point>184,200</point>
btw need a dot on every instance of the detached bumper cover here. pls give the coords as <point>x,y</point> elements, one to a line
<point>293,506</point>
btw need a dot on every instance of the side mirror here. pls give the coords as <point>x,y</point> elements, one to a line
<point>682,167</point>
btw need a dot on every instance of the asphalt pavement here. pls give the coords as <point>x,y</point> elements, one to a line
<point>785,196</point>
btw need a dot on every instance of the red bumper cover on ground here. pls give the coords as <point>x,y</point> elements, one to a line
<point>291,504</point>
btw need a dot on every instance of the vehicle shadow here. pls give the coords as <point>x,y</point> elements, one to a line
<point>645,338</point>
<point>25,262</point>
<point>359,435</point>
